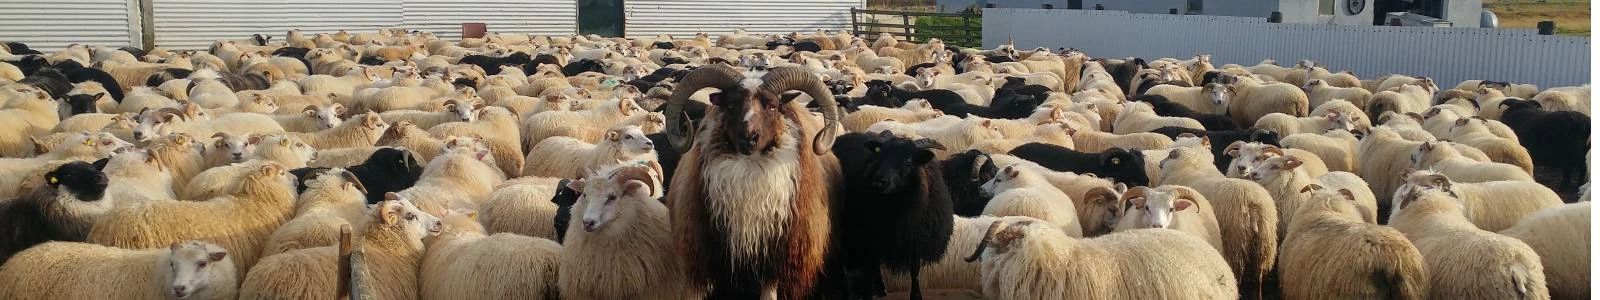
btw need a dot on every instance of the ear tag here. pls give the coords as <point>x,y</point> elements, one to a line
<point>53,180</point>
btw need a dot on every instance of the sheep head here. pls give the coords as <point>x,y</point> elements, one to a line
<point>750,118</point>
<point>1273,167</point>
<point>1160,203</point>
<point>1002,235</point>
<point>606,190</point>
<point>194,263</point>
<point>894,161</point>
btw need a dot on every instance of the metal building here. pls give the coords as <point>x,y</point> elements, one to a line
<point>1463,13</point>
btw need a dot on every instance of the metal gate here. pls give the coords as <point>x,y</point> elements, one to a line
<point>958,29</point>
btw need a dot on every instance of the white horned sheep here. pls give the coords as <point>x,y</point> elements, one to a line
<point>390,237</point>
<point>312,118</point>
<point>959,136</point>
<point>1330,252</point>
<point>622,247</point>
<point>621,145</point>
<point>463,261</point>
<point>1560,235</point>
<point>1488,205</point>
<point>65,270</point>
<point>1465,262</point>
<point>1402,99</point>
<point>1212,98</point>
<point>1170,207</point>
<point>1245,212</point>
<point>1017,255</point>
<point>1283,177</point>
<point>360,130</point>
<point>332,198</point>
<point>1247,154</point>
<point>1017,191</point>
<point>609,112</point>
<point>1319,92</point>
<point>138,176</point>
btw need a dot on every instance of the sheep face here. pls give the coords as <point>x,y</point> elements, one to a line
<point>195,265</point>
<point>751,121</point>
<point>79,179</point>
<point>605,195</point>
<point>104,143</point>
<point>400,212</point>
<point>235,145</point>
<point>631,139</point>
<point>1003,180</point>
<point>155,123</point>
<point>1273,167</point>
<point>327,117</point>
<point>1247,155</point>
<point>1342,121</point>
<point>465,111</point>
<point>79,104</point>
<point>1218,93</point>
<point>1513,104</point>
<point>894,161</point>
<point>1430,152</point>
<point>1158,204</point>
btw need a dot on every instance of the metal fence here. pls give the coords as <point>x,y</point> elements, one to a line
<point>955,29</point>
<point>1449,55</point>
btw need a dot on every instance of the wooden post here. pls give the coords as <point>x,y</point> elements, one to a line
<point>344,262</point>
<point>147,25</point>
<point>905,19</point>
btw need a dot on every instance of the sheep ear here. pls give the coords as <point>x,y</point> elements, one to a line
<point>1292,162</point>
<point>1233,149</point>
<point>1181,205</point>
<point>283,142</point>
<point>253,139</point>
<point>174,247</point>
<point>1347,194</point>
<point>575,184</point>
<point>389,212</point>
<point>1012,172</point>
<point>613,135</point>
<point>1310,187</point>
<point>1462,121</point>
<point>216,256</point>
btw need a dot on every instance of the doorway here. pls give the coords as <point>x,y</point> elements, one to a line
<point>600,17</point>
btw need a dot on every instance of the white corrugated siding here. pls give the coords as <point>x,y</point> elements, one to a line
<point>683,18</point>
<point>539,17</point>
<point>52,25</point>
<point>195,24</point>
<point>1449,55</point>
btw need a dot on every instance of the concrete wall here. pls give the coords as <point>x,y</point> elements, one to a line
<point>1464,13</point>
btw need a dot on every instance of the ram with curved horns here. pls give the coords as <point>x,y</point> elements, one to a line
<point>750,205</point>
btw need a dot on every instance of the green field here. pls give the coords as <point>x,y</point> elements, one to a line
<point>976,23</point>
<point>1571,16</point>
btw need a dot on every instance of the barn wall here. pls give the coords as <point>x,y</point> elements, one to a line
<point>539,17</point>
<point>1449,55</point>
<point>684,18</point>
<point>194,24</point>
<point>52,25</point>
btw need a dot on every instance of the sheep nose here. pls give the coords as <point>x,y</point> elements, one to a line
<point>1157,226</point>
<point>651,144</point>
<point>180,291</point>
<point>138,135</point>
<point>588,225</point>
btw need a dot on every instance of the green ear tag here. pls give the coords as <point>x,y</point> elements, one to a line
<point>53,180</point>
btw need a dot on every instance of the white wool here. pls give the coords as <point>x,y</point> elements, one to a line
<point>728,181</point>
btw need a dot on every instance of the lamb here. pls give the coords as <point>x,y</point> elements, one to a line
<point>1503,267</point>
<point>1319,92</point>
<point>1255,99</point>
<point>890,187</point>
<point>1560,235</point>
<point>1170,207</point>
<point>332,198</point>
<point>1487,204</point>
<point>390,239</point>
<point>241,221</point>
<point>622,144</point>
<point>1553,139</point>
<point>363,130</point>
<point>465,262</point>
<point>1477,133</point>
<point>1016,254</point>
<point>1289,125</point>
<point>1139,117</point>
<point>1245,212</point>
<point>1330,252</point>
<point>624,231</point>
<point>63,270</point>
<point>1119,164</point>
<point>312,118</point>
<point>962,135</point>
<point>72,199</point>
<point>1436,155</point>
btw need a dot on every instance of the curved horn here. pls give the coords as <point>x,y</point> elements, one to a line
<point>1185,192</point>
<point>711,75</point>
<point>977,165</point>
<point>785,79</point>
<point>1272,150</point>
<point>984,243</point>
<point>1137,191</point>
<point>351,178</point>
<point>174,111</point>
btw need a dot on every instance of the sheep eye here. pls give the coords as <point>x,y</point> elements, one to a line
<point>611,198</point>
<point>410,217</point>
<point>202,264</point>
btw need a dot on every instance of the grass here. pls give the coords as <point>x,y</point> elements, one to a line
<point>1571,16</point>
<point>976,23</point>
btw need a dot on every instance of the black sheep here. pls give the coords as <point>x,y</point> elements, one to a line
<point>50,80</point>
<point>1224,138</point>
<point>1022,87</point>
<point>664,45</point>
<point>387,170</point>
<point>295,53</point>
<point>136,52</point>
<point>494,63</point>
<point>582,65</point>
<point>1121,165</point>
<point>18,48</point>
<point>1124,72</point>
<point>1167,108</point>
<point>1007,103</point>
<point>806,46</point>
<point>894,212</point>
<point>81,75</point>
<point>82,104</point>
<point>1556,139</point>
<point>998,59</point>
<point>29,63</point>
<point>542,59</point>
<point>564,199</point>
<point>371,61</point>
<point>44,215</point>
<point>880,93</point>
<point>964,175</point>
<point>165,75</point>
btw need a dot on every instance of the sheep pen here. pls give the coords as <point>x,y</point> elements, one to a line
<point>810,164</point>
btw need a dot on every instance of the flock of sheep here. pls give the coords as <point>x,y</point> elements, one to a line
<point>808,165</point>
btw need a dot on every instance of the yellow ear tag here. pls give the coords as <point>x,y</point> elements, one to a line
<point>53,180</point>
<point>88,142</point>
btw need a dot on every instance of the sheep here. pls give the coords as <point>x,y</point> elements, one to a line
<point>362,130</point>
<point>915,110</point>
<point>463,261</point>
<point>497,127</point>
<point>1139,117</point>
<point>227,149</point>
<point>460,177</point>
<point>1384,155</point>
<point>31,114</point>
<point>64,270</point>
<point>1016,191</point>
<point>1552,138</point>
<point>1403,99</point>
<point>1283,177</point>
<point>137,176</point>
<point>1164,107</point>
<point>312,118</point>
<point>1247,154</point>
<point>1017,254</point>
<point>1246,213</point>
<point>288,151</point>
<point>1210,98</point>
<point>521,206</point>
<point>181,155</point>
<point>964,134</point>
<point>535,128</point>
<point>1435,155</point>
<point>72,200</point>
<point>952,271</point>
<point>155,123</point>
<point>1319,91</point>
<point>78,146</point>
<point>1288,125</point>
<point>1556,100</point>
<point>241,221</point>
<point>1439,119</point>
<point>390,239</point>
<point>1476,133</point>
<point>1486,204</point>
<point>1336,148</point>
<point>1050,133</point>
<point>765,150</point>
<point>1170,207</point>
<point>650,123</point>
<point>1331,253</point>
<point>1501,267</point>
<point>404,97</point>
<point>1254,99</point>
<point>890,187</point>
<point>622,144</point>
<point>1408,125</point>
<point>332,198</point>
<point>1119,164</point>
<point>619,208</point>
<point>454,111</point>
<point>1560,235</point>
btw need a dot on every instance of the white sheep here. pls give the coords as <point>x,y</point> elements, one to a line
<point>358,131</point>
<point>621,145</point>
<point>1211,98</point>
<point>77,146</point>
<point>1247,154</point>
<point>914,110</point>
<point>462,176</point>
<point>1487,204</point>
<point>454,111</point>
<point>1557,100</point>
<point>1140,117</point>
<point>1465,262</point>
<point>1340,105</point>
<point>30,114</point>
<point>137,176</point>
<point>609,112</point>
<point>227,149</point>
<point>1170,207</point>
<point>332,198</point>
<point>1017,191</point>
<point>1320,91</point>
<point>1403,99</point>
<point>1478,134</point>
<point>1438,156</point>
<point>959,136</point>
<point>312,118</point>
<point>1283,177</point>
<point>1560,235</point>
<point>65,270</point>
<point>497,127</point>
<point>1027,259</point>
<point>1245,211</point>
<point>156,123</point>
<point>1330,252</point>
<point>1254,99</point>
<point>390,238</point>
<point>1336,148</point>
<point>1439,119</point>
<point>521,206</point>
<point>465,262</point>
<point>1286,125</point>
<point>621,248</point>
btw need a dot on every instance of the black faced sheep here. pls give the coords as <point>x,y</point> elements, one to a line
<point>50,80</point>
<point>494,63</point>
<point>1167,108</point>
<point>63,212</point>
<point>564,199</point>
<point>890,189</point>
<point>964,175</point>
<point>81,75</point>
<point>28,64</point>
<point>386,170</point>
<point>19,48</point>
<point>1225,138</point>
<point>583,65</point>
<point>750,208</point>
<point>1557,139</point>
<point>1007,104</point>
<point>1121,165</point>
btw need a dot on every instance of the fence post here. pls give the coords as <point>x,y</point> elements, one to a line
<point>906,20</point>
<point>1547,27</point>
<point>855,22</point>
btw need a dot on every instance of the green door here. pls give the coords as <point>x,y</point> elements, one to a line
<point>602,17</point>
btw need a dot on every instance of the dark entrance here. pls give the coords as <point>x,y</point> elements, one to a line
<point>602,17</point>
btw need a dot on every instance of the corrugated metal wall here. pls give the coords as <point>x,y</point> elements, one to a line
<point>1449,55</point>
<point>682,18</point>
<point>540,17</point>
<point>194,24</point>
<point>52,25</point>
